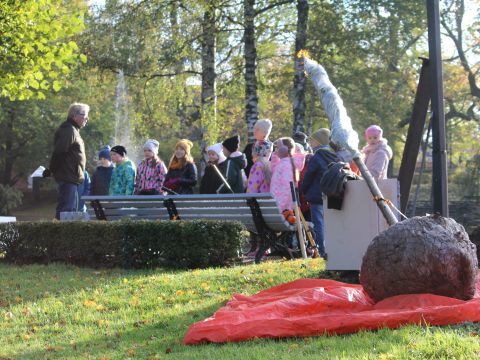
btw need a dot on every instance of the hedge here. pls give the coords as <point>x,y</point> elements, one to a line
<point>127,244</point>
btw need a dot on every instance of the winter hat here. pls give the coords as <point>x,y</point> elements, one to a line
<point>300,137</point>
<point>232,144</point>
<point>104,153</point>
<point>119,149</point>
<point>265,125</point>
<point>185,144</point>
<point>151,145</point>
<point>374,130</point>
<point>321,136</point>
<point>217,149</point>
<point>263,148</point>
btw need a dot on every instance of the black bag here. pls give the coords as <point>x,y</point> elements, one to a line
<point>333,183</point>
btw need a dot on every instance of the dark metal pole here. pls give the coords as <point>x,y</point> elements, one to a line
<point>439,174</point>
<point>415,133</point>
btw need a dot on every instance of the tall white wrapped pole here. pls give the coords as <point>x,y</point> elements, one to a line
<point>342,131</point>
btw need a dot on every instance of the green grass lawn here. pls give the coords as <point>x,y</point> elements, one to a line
<point>64,312</point>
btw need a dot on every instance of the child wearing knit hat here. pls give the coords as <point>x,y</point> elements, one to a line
<point>103,173</point>
<point>211,181</point>
<point>151,171</point>
<point>182,172</point>
<point>235,163</point>
<point>287,162</point>
<point>261,132</point>
<point>260,173</point>
<point>123,175</point>
<point>259,181</point>
<point>377,153</point>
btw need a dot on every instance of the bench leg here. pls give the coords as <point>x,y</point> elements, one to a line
<point>266,240</point>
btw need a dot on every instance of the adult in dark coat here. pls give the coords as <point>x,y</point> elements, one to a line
<point>317,166</point>
<point>68,159</point>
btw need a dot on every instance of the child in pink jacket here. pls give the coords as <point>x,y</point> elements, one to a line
<point>260,173</point>
<point>377,153</point>
<point>287,162</point>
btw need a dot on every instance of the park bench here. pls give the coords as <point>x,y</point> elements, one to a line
<point>258,212</point>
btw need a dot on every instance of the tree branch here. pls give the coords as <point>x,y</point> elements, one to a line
<point>457,40</point>
<point>273,5</point>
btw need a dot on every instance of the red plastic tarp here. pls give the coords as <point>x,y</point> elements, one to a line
<point>312,307</point>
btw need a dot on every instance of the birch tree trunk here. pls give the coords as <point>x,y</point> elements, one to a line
<point>299,82</point>
<point>209,96</point>
<point>251,98</point>
<point>178,67</point>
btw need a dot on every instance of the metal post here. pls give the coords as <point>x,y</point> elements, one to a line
<point>415,132</point>
<point>439,154</point>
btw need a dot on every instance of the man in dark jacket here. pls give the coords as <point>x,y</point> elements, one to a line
<point>317,166</point>
<point>68,160</point>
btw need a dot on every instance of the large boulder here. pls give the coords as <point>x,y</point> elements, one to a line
<point>428,254</point>
<point>475,238</point>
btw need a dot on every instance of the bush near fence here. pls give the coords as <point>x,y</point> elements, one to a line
<point>127,244</point>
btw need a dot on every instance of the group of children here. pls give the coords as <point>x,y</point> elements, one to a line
<point>263,167</point>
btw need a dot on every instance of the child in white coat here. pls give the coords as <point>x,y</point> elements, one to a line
<point>377,153</point>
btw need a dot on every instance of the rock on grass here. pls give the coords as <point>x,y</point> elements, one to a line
<point>428,254</point>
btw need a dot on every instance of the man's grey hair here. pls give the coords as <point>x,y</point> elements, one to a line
<point>77,108</point>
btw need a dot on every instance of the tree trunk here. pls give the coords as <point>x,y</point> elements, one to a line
<point>251,98</point>
<point>299,76</point>
<point>178,66</point>
<point>209,96</point>
<point>9,158</point>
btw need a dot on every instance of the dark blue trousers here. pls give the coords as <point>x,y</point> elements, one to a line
<point>67,197</point>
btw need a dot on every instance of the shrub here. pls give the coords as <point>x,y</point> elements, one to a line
<point>10,198</point>
<point>128,244</point>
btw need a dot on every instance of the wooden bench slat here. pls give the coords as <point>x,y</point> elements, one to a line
<point>184,203</point>
<point>218,203</point>
<point>180,197</point>
<point>192,214</point>
<point>199,212</point>
<point>140,212</point>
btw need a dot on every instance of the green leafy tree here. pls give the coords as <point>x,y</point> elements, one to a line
<point>369,50</point>
<point>36,49</point>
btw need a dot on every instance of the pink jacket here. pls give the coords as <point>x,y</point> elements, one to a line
<point>256,179</point>
<point>282,175</point>
<point>376,157</point>
<point>149,177</point>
